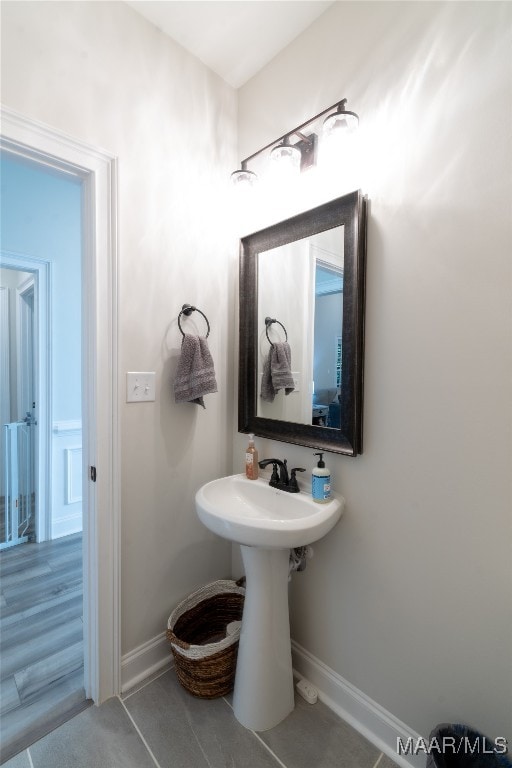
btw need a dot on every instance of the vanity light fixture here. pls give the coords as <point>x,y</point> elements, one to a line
<point>297,149</point>
<point>341,121</point>
<point>244,177</point>
<point>287,156</point>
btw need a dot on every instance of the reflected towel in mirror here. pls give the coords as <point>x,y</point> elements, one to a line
<point>195,374</point>
<point>277,372</point>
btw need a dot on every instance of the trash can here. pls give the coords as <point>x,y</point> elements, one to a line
<point>454,745</point>
<point>204,631</point>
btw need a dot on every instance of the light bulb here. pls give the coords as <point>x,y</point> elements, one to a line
<point>340,122</point>
<point>286,158</point>
<point>243,179</point>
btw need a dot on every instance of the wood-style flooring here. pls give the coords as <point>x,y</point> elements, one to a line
<point>41,639</point>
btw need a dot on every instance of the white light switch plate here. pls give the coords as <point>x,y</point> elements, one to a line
<point>140,386</point>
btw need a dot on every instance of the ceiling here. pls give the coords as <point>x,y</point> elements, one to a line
<point>235,38</point>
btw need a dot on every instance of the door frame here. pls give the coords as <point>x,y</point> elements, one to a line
<point>97,171</point>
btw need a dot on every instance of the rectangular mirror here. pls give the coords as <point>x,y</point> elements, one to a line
<point>302,296</point>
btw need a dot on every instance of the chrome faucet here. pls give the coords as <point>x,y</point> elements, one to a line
<point>281,479</point>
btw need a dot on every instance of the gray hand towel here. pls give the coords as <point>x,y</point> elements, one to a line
<point>195,374</point>
<point>268,392</point>
<point>277,372</point>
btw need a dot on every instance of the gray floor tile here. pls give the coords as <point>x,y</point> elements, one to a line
<point>20,761</point>
<point>313,735</point>
<point>186,732</point>
<point>99,737</point>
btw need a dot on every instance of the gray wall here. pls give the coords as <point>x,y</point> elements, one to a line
<point>409,597</point>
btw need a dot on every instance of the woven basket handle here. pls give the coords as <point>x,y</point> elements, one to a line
<point>176,640</point>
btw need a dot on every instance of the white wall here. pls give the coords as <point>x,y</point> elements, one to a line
<point>409,598</point>
<point>101,73</point>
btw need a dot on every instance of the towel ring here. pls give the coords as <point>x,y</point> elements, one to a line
<point>268,323</point>
<point>187,310</point>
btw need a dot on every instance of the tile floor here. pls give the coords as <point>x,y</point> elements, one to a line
<point>161,725</point>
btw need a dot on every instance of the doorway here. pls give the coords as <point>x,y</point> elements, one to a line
<point>95,172</point>
<point>41,549</point>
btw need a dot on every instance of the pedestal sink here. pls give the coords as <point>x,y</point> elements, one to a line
<point>267,523</point>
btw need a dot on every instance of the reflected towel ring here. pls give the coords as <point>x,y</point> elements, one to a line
<point>268,323</point>
<point>187,310</point>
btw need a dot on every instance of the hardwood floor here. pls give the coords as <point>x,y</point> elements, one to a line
<point>41,640</point>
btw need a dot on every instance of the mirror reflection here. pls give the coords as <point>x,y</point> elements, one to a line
<point>300,289</point>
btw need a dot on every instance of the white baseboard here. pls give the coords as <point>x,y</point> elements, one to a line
<point>144,661</point>
<point>65,526</point>
<point>375,723</point>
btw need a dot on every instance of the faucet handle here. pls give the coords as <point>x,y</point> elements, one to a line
<point>293,480</point>
<point>274,478</point>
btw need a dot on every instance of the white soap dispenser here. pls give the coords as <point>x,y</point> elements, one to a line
<point>321,482</point>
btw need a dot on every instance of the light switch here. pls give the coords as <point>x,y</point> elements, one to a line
<point>140,386</point>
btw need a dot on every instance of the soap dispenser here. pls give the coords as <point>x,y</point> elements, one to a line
<point>251,460</point>
<point>321,482</point>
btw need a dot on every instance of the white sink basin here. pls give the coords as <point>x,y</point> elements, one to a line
<point>253,513</point>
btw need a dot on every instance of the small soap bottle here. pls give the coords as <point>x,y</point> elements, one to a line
<point>251,460</point>
<point>321,482</point>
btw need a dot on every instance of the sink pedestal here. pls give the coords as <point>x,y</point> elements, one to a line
<point>267,522</point>
<point>264,681</point>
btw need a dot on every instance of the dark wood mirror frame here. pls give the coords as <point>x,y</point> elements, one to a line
<point>349,212</point>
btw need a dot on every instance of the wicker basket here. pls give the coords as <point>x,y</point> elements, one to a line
<point>204,653</point>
